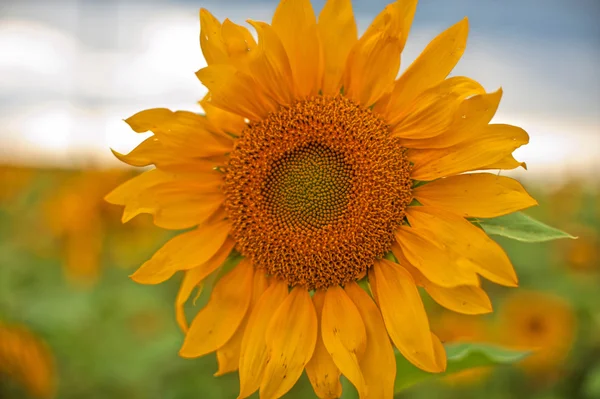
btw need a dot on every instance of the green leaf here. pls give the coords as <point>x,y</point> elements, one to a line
<point>461,356</point>
<point>521,227</point>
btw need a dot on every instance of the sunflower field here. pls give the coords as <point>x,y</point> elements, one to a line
<point>73,325</point>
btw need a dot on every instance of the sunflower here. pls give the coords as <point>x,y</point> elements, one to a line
<point>334,188</point>
<point>540,322</point>
<point>26,360</point>
<point>14,180</point>
<point>581,255</point>
<point>78,218</point>
<point>453,327</point>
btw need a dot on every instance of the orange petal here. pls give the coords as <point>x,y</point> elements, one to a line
<point>337,29</point>
<point>236,92</point>
<point>493,144</point>
<point>378,363</point>
<point>472,116</point>
<point>149,119</point>
<point>402,12</point>
<point>177,205</point>
<point>430,68</point>
<point>131,188</point>
<point>211,42</point>
<point>344,335</point>
<point>507,163</point>
<point>237,40</point>
<point>434,111</point>
<point>435,261</point>
<point>254,354</point>
<point>374,61</point>
<point>295,23</point>
<point>174,202</point>
<point>142,155</point>
<point>269,65</point>
<point>228,356</point>
<point>224,122</point>
<point>466,299</point>
<point>216,323</point>
<point>291,338</point>
<point>185,132</point>
<point>193,278</point>
<point>183,252</point>
<point>482,195</point>
<point>470,244</point>
<point>321,370</point>
<point>404,316</point>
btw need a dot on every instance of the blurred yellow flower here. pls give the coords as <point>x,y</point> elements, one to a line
<point>540,322</point>
<point>26,360</point>
<point>80,219</point>
<point>309,161</point>
<point>453,328</point>
<point>13,179</point>
<point>583,254</point>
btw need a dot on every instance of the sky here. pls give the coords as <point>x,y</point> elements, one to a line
<point>72,70</point>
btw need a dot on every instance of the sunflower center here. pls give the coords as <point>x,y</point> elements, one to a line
<point>308,187</point>
<point>315,191</point>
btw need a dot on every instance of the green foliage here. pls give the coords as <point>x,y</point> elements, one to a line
<point>461,357</point>
<point>518,226</point>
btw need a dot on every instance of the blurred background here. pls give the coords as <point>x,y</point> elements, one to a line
<point>73,325</point>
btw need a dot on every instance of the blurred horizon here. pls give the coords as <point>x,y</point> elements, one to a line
<point>74,69</point>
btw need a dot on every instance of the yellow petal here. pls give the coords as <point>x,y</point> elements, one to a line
<point>430,68</point>
<point>291,338</point>
<point>216,323</point>
<point>295,23</point>
<point>435,261</point>
<point>482,195</point>
<point>228,356</point>
<point>183,132</point>
<point>469,243</point>
<point>237,39</point>
<point>374,61</point>
<point>131,188</point>
<point>190,134</point>
<point>337,30</point>
<point>236,92</point>
<point>378,363</point>
<point>467,299</point>
<point>193,278</point>
<point>507,163</point>
<point>175,202</point>
<point>178,205</point>
<point>493,144</point>
<point>211,42</point>
<point>404,316</point>
<point>344,335</point>
<point>183,252</point>
<point>142,155</point>
<point>402,12</point>
<point>321,370</point>
<point>433,112</point>
<point>269,66</point>
<point>254,354</point>
<point>472,116</point>
<point>224,122</point>
<point>149,119</point>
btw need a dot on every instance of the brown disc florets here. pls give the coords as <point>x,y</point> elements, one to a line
<point>315,191</point>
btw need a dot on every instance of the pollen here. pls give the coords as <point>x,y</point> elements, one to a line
<point>315,191</point>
